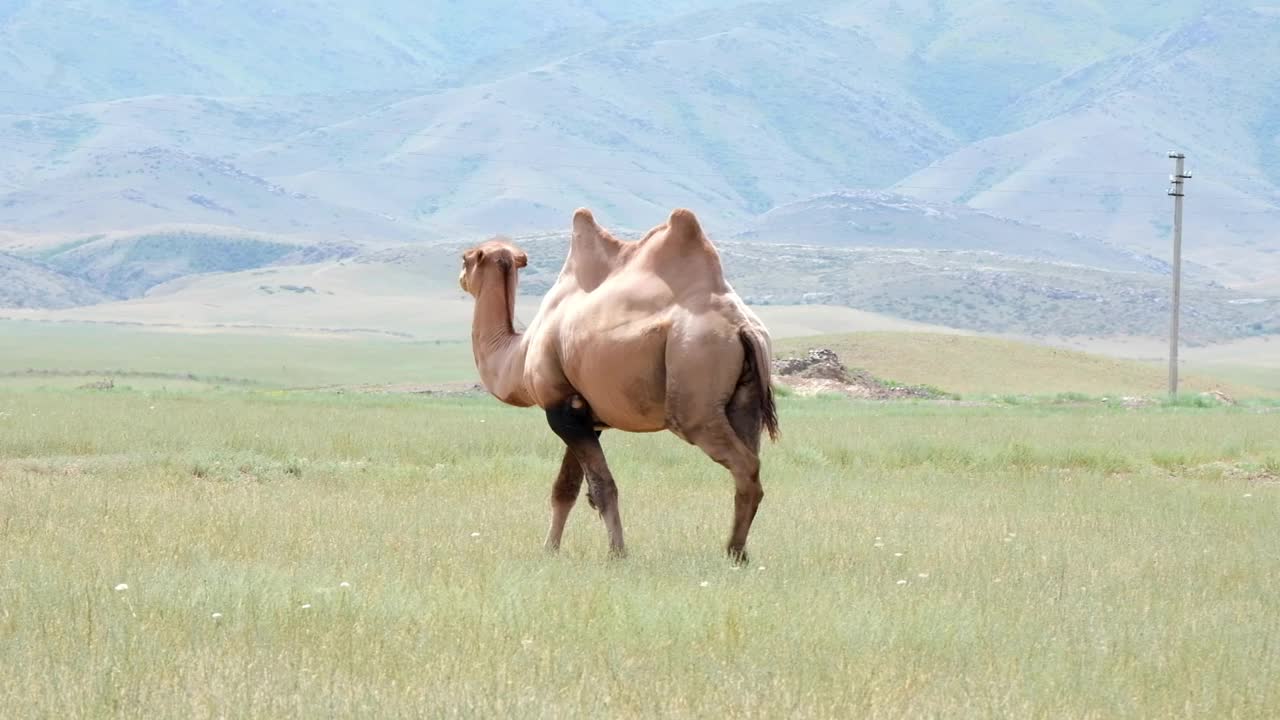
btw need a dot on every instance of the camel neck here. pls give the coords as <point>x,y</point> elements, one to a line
<point>496,346</point>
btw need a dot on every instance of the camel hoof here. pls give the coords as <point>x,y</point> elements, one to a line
<point>738,556</point>
<point>617,553</point>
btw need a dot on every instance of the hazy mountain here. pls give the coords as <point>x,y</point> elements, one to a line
<point>108,49</point>
<point>28,284</point>
<point>972,289</point>
<point>1193,89</point>
<point>1031,130</point>
<point>878,219</point>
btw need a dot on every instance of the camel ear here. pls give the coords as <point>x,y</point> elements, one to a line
<point>521,259</point>
<point>473,256</point>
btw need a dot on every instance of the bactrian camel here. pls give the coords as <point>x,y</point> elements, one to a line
<point>634,336</point>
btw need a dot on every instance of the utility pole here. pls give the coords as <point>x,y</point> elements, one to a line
<point>1176,190</point>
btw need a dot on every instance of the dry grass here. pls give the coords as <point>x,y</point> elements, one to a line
<point>282,361</point>
<point>909,561</point>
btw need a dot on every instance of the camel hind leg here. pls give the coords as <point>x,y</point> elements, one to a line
<point>724,416</point>
<point>746,414</point>
<point>564,494</point>
<point>718,439</point>
<point>730,435</point>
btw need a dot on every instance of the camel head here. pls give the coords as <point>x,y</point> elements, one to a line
<point>496,256</point>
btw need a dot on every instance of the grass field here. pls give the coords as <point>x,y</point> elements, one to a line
<point>318,556</point>
<point>295,553</point>
<point>71,354</point>
<point>223,358</point>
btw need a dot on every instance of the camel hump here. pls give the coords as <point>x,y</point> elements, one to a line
<point>683,221</point>
<point>583,220</point>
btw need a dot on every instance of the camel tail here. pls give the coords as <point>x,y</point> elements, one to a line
<point>757,347</point>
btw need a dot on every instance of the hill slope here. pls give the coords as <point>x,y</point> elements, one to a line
<point>27,284</point>
<point>877,219</point>
<point>975,290</point>
<point>1190,89</point>
<point>392,122</point>
<point>984,365</point>
<point>103,50</point>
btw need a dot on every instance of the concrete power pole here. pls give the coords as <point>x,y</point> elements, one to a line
<point>1179,178</point>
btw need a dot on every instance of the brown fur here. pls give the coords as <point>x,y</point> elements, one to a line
<point>650,335</point>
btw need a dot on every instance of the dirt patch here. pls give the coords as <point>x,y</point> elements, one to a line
<point>1219,396</point>
<point>820,371</point>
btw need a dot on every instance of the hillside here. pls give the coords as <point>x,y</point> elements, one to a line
<point>965,164</point>
<point>884,220</point>
<point>103,50</point>
<point>157,185</point>
<point>128,265</point>
<point>974,290</point>
<point>473,139</point>
<point>405,292</point>
<point>983,366</point>
<point>27,284</point>
<point>188,279</point>
<point>1189,89</point>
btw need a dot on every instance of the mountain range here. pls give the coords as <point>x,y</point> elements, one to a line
<point>142,142</point>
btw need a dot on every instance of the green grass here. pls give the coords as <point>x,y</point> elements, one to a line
<point>972,365</point>
<point>225,357</point>
<point>908,561</point>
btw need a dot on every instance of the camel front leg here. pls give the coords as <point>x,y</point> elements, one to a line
<point>564,493</point>
<point>571,420</point>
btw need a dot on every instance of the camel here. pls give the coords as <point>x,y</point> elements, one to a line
<point>638,337</point>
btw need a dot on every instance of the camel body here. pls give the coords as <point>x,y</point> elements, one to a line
<point>638,337</point>
<point>640,330</point>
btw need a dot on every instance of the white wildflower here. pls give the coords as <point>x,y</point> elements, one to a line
<point>760,569</point>
<point>902,582</point>
<point>216,616</point>
<point>344,584</point>
<point>897,554</point>
<point>923,575</point>
<point>475,534</point>
<point>122,587</point>
<point>306,606</point>
<point>704,583</point>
